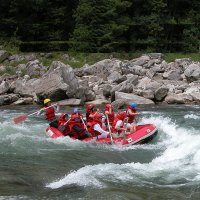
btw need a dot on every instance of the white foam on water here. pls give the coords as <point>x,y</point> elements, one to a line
<point>191,116</point>
<point>177,165</point>
<point>13,197</point>
<point>83,176</point>
<point>33,136</point>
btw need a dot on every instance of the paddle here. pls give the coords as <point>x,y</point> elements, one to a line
<point>21,118</point>
<point>62,127</point>
<point>109,129</point>
<point>88,133</point>
<point>84,124</point>
<point>125,132</point>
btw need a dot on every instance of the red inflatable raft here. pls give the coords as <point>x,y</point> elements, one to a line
<point>143,134</point>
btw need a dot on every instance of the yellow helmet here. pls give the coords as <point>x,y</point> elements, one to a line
<point>47,101</point>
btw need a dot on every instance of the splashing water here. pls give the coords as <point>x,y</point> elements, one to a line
<point>175,165</point>
<point>169,162</point>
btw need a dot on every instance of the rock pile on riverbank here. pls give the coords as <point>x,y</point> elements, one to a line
<point>148,79</point>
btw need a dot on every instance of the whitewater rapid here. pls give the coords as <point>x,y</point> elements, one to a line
<point>170,161</point>
<point>177,165</point>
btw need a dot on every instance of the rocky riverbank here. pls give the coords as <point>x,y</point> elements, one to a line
<point>148,79</point>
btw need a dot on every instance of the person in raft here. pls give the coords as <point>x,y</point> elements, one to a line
<point>90,111</point>
<point>49,111</point>
<point>118,125</point>
<point>94,127</point>
<point>77,125</point>
<point>63,122</point>
<point>131,114</point>
<point>110,115</point>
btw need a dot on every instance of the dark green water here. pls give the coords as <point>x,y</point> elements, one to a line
<point>33,166</point>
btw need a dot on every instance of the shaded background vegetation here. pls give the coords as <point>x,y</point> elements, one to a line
<point>101,25</point>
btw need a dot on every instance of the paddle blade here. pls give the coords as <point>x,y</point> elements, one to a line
<point>20,119</point>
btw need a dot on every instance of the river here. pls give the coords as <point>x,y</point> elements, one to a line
<point>33,166</point>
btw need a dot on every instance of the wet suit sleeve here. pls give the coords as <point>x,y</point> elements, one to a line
<point>99,129</point>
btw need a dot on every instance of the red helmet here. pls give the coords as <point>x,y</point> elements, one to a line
<point>90,107</point>
<point>121,116</point>
<point>108,106</point>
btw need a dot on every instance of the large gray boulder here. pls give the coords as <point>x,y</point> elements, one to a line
<point>183,63</point>
<point>158,56</point>
<point>173,98</point>
<point>141,61</point>
<point>70,102</point>
<point>25,87</point>
<point>192,73</point>
<point>148,84</point>
<point>4,55</point>
<point>126,86</point>
<point>132,98</point>
<point>172,75</point>
<point>16,58</point>
<point>161,93</point>
<point>147,94</point>
<point>4,87</point>
<point>101,69</point>
<point>21,57</point>
<point>58,83</point>
<point>187,98</point>
<point>120,103</point>
<point>138,70</point>
<point>34,69</point>
<point>97,102</point>
<point>116,77</point>
<point>195,97</point>
<point>24,101</point>
<point>153,62</point>
<point>8,99</point>
<point>107,90</point>
<point>192,89</point>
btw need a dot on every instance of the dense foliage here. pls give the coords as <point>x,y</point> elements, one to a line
<point>102,25</point>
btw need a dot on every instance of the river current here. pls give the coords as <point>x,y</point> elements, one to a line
<point>33,166</point>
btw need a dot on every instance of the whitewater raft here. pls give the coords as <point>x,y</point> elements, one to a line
<point>143,134</point>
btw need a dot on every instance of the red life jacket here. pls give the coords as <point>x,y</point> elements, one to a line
<point>131,118</point>
<point>76,121</point>
<point>61,122</point>
<point>89,110</point>
<point>119,116</point>
<point>88,118</point>
<point>50,114</point>
<point>75,116</point>
<point>73,133</point>
<point>111,118</point>
<point>61,119</point>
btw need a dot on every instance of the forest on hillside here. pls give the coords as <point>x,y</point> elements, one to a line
<point>101,25</point>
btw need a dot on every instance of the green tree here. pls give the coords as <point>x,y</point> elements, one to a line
<point>147,28</point>
<point>37,20</point>
<point>121,25</point>
<point>7,20</point>
<point>99,25</point>
<point>191,33</point>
